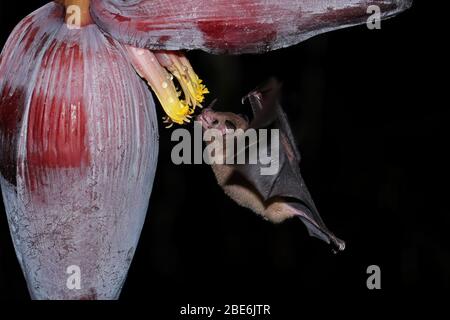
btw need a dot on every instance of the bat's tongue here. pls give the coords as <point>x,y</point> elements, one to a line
<point>211,105</point>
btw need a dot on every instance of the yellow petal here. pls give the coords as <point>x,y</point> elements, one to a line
<point>148,67</point>
<point>180,67</point>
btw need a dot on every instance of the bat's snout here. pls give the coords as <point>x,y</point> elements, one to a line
<point>206,118</point>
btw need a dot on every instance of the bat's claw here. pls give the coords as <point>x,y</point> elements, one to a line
<point>339,245</point>
<point>252,94</point>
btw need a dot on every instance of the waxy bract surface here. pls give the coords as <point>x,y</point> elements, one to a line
<point>231,26</point>
<point>78,137</point>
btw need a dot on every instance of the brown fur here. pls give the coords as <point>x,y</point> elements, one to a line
<point>236,187</point>
<point>244,195</point>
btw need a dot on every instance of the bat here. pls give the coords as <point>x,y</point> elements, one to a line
<point>276,197</point>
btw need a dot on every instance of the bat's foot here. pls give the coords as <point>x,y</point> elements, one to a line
<point>338,244</point>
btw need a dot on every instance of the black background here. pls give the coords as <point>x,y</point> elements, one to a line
<point>365,108</point>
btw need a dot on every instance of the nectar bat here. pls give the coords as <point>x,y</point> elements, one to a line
<point>275,197</point>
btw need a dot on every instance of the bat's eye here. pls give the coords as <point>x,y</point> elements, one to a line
<point>230,125</point>
<point>215,122</point>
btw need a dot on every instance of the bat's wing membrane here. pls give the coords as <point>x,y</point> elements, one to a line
<point>264,103</point>
<point>287,182</point>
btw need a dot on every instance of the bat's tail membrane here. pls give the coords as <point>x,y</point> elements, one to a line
<point>316,227</point>
<point>324,234</point>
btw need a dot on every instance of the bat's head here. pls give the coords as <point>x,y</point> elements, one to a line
<point>225,122</point>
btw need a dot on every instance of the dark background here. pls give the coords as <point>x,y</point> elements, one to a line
<point>365,108</point>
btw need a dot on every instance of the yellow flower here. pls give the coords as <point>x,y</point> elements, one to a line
<point>159,69</point>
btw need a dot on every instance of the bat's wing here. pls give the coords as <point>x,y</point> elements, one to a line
<point>264,103</point>
<point>287,182</point>
<point>267,112</point>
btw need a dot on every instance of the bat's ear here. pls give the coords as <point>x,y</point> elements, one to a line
<point>269,89</point>
<point>264,101</point>
<point>272,86</point>
<point>271,92</point>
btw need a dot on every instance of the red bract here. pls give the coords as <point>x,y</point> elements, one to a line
<point>78,137</point>
<point>231,26</point>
